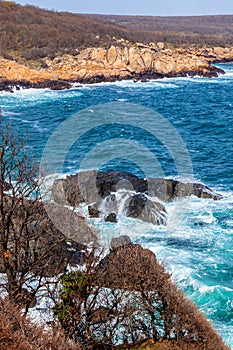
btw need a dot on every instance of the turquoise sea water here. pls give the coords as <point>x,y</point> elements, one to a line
<point>199,249</point>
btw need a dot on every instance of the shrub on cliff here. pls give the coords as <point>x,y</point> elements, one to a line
<point>127,297</point>
<point>31,246</point>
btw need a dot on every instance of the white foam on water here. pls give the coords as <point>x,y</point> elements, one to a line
<point>153,83</point>
<point>39,96</point>
<point>207,289</point>
<point>9,113</point>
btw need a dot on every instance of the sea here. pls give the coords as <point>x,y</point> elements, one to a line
<point>179,128</point>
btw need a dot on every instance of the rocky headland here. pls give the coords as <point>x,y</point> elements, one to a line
<point>118,62</point>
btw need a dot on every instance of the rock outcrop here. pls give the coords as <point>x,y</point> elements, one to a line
<point>112,217</point>
<point>121,241</point>
<point>91,187</point>
<point>128,61</point>
<point>109,192</point>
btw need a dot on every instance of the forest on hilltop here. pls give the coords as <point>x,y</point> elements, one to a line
<point>200,30</point>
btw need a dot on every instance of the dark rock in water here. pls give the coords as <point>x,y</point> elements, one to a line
<point>203,191</point>
<point>121,241</point>
<point>135,205</point>
<point>90,187</point>
<point>11,85</point>
<point>139,206</point>
<point>168,189</point>
<point>110,181</point>
<point>76,189</point>
<point>112,217</point>
<point>93,211</point>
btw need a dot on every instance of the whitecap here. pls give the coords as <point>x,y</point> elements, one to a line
<point>9,113</point>
<point>210,289</point>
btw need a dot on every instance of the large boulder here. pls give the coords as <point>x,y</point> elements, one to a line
<point>140,206</point>
<point>121,241</point>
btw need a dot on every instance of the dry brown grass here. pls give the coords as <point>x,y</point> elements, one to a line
<point>162,345</point>
<point>17,332</point>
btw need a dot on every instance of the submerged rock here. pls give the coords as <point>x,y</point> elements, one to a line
<point>93,211</point>
<point>112,217</point>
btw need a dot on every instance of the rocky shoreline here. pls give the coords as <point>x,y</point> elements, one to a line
<point>137,62</point>
<point>105,192</point>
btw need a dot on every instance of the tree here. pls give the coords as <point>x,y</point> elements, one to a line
<point>31,247</point>
<point>91,314</point>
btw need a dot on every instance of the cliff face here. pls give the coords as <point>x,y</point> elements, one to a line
<point>136,61</point>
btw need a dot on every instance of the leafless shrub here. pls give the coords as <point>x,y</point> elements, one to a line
<point>31,247</point>
<point>127,297</point>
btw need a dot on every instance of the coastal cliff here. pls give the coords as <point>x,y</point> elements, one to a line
<point>126,61</point>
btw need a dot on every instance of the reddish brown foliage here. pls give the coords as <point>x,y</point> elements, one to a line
<point>17,332</point>
<point>128,297</point>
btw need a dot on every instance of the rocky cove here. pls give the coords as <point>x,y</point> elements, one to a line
<point>118,62</point>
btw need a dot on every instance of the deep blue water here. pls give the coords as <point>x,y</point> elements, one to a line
<point>119,128</point>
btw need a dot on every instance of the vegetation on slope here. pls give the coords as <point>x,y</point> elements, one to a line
<point>200,30</point>
<point>30,33</point>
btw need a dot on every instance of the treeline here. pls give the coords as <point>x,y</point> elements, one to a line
<point>209,30</point>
